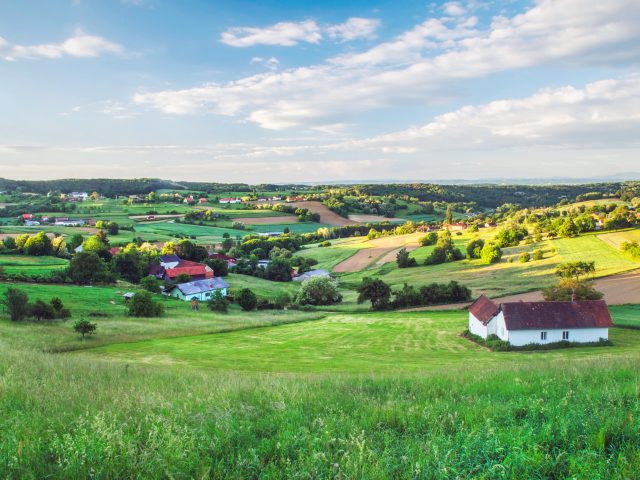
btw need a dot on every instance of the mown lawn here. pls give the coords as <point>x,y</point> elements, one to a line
<point>15,264</point>
<point>354,343</point>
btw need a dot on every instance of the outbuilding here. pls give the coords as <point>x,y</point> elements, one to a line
<point>524,323</point>
<point>201,290</point>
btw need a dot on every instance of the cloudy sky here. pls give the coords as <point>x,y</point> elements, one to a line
<point>285,91</point>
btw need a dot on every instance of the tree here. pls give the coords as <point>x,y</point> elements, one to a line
<point>9,243</point>
<point>219,266</point>
<point>85,327</point>
<point>247,299</point>
<point>448,217</point>
<point>75,241</point>
<point>568,228</point>
<point>568,289</point>
<point>575,270</point>
<point>376,291</point>
<point>474,248</point>
<point>58,307</point>
<point>188,250</point>
<point>445,251</point>
<point>96,244</point>
<point>524,257</point>
<point>430,238</point>
<point>491,253</point>
<point>38,245</point>
<point>16,302</point>
<point>41,310</point>
<point>143,305</point>
<point>151,284</point>
<point>58,245</point>
<point>130,265</point>
<point>86,268</point>
<point>404,260</point>
<point>279,270</point>
<point>217,302</point>
<point>318,291</point>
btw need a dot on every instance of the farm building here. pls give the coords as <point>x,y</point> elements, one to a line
<point>231,262</point>
<point>203,200</point>
<point>229,200</point>
<point>524,323</point>
<point>311,274</point>
<point>200,289</point>
<point>196,271</point>
<point>169,261</point>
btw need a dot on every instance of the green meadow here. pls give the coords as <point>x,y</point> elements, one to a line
<point>17,264</point>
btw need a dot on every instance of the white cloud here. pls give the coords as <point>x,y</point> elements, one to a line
<point>80,45</point>
<point>420,65</point>
<point>271,63</point>
<point>288,34</point>
<point>353,28</point>
<point>284,34</point>
<point>454,9</point>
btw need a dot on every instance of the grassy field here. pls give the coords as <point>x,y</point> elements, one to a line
<point>14,264</point>
<point>402,397</point>
<point>365,343</point>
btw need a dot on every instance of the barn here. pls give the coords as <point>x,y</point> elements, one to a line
<point>524,323</point>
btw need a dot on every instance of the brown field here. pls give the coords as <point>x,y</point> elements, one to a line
<point>382,250</point>
<point>266,220</point>
<point>618,290</point>
<point>372,218</point>
<point>326,216</point>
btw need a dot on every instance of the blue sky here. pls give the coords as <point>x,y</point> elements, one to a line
<point>316,91</point>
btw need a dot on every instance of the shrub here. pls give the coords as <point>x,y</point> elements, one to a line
<point>404,260</point>
<point>474,248</point>
<point>40,310</point>
<point>17,303</point>
<point>279,270</point>
<point>445,251</point>
<point>86,268</point>
<point>151,284</point>
<point>143,305</point>
<point>524,257</point>
<point>567,288</point>
<point>537,255</point>
<point>429,239</point>
<point>318,291</point>
<point>376,291</point>
<point>217,303</point>
<point>247,299</point>
<point>491,253</point>
<point>326,243</point>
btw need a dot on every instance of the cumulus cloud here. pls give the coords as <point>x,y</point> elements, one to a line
<point>271,63</point>
<point>454,9</point>
<point>420,65</point>
<point>285,34</point>
<point>80,45</point>
<point>288,34</point>
<point>354,28</point>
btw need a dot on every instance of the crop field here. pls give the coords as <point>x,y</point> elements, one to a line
<point>15,264</point>
<point>365,343</point>
<point>616,239</point>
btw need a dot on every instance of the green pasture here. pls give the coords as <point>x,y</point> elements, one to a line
<point>23,264</point>
<point>294,227</point>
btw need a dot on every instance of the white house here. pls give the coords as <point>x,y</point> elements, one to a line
<point>229,200</point>
<point>524,323</point>
<point>199,289</point>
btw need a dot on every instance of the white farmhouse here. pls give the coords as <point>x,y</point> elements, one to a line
<point>524,323</point>
<point>199,289</point>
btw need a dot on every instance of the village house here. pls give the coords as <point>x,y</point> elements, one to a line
<point>524,323</point>
<point>231,262</point>
<point>169,261</point>
<point>76,196</point>
<point>68,222</point>
<point>203,200</point>
<point>196,271</point>
<point>201,290</point>
<point>454,227</point>
<point>229,200</point>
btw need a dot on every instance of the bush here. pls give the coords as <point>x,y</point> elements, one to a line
<point>86,268</point>
<point>217,303</point>
<point>326,243</point>
<point>41,310</point>
<point>474,248</point>
<point>143,305</point>
<point>17,303</point>
<point>491,253</point>
<point>247,299</point>
<point>429,239</point>
<point>279,270</point>
<point>151,284</point>
<point>524,257</point>
<point>537,255</point>
<point>318,291</point>
<point>567,288</point>
<point>376,291</point>
<point>404,260</point>
<point>445,251</point>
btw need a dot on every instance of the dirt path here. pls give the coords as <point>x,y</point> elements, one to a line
<point>266,220</point>
<point>381,251</point>
<point>618,290</point>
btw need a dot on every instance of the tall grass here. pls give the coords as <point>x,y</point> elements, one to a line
<point>69,416</point>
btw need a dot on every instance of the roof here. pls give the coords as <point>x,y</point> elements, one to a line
<point>222,256</point>
<point>556,315</point>
<point>169,258</point>
<point>191,271</point>
<point>484,309</point>
<point>310,274</point>
<point>200,286</point>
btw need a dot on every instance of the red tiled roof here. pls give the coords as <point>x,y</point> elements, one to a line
<point>198,270</point>
<point>484,309</point>
<point>556,315</point>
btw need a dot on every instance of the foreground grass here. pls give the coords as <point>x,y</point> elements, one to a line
<point>68,416</point>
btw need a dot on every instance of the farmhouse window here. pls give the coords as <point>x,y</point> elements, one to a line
<point>543,335</point>
<point>565,335</point>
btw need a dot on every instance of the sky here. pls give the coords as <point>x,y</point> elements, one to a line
<point>314,91</point>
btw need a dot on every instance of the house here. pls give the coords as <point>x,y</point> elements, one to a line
<point>169,261</point>
<point>27,216</point>
<point>156,270</point>
<point>311,274</point>
<point>77,196</point>
<point>196,271</point>
<point>454,227</point>
<point>229,200</point>
<point>31,223</point>
<point>188,199</point>
<point>524,323</point>
<point>203,200</point>
<point>128,296</point>
<point>231,262</point>
<point>263,263</point>
<point>201,290</point>
<point>76,222</point>
<point>135,199</point>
